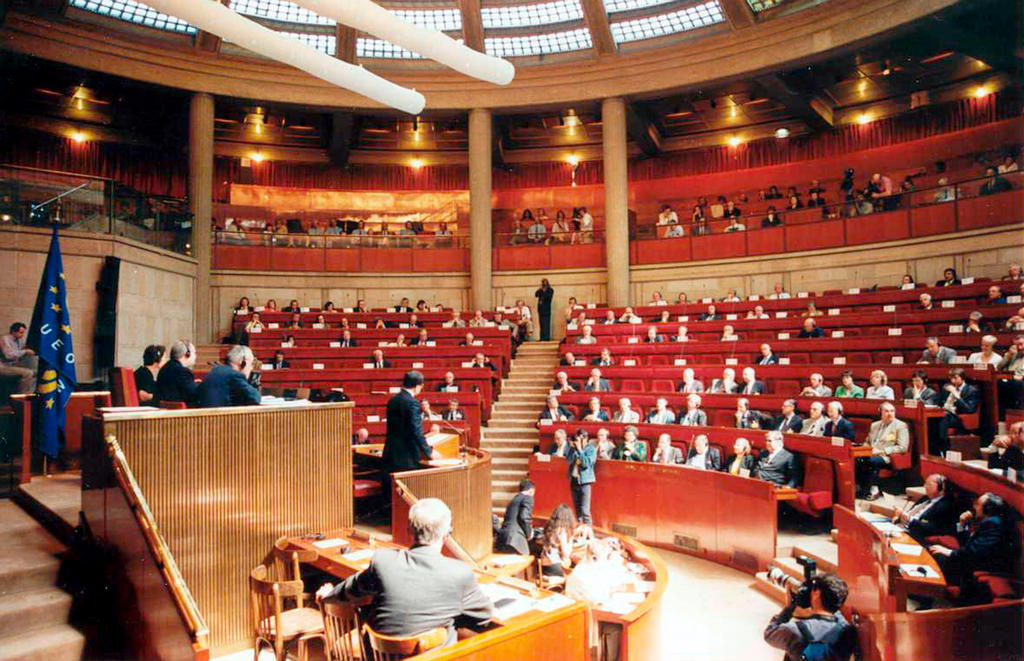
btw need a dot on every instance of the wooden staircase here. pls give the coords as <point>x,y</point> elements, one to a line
<point>511,433</point>
<point>824,552</point>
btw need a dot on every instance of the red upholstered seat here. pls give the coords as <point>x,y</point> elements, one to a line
<point>815,497</point>
<point>949,541</point>
<point>662,385</point>
<point>1001,586</point>
<point>363,488</point>
<point>632,385</point>
<point>123,390</point>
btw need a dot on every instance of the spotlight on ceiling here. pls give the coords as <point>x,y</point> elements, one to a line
<point>980,92</point>
<point>735,141</point>
<point>782,133</point>
<point>573,159</point>
<point>416,163</point>
<point>257,157</point>
<point>78,137</point>
<point>863,118</point>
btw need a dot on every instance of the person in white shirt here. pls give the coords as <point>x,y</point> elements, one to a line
<point>656,299</point>
<point>757,313</point>
<point>587,337</point>
<point>1008,165</point>
<point>987,355</point>
<point>731,297</point>
<point>661,415</point>
<point>605,445</point>
<point>817,387</point>
<point>735,225</point>
<point>879,388</point>
<point>779,293</point>
<point>625,413</point>
<point>814,425</point>
<point>599,574</point>
<point>561,446</point>
<point>729,334</point>
<point>681,335</point>
<point>586,226</point>
<point>667,216</point>
<point>690,384</point>
<point>675,232</point>
<point>693,417</point>
<point>628,317</point>
<point>751,386</point>
<point>594,412</point>
<point>702,456</point>
<point>727,384</point>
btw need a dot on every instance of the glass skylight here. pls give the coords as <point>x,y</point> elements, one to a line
<point>649,27</point>
<point>279,10</point>
<point>626,5</point>
<point>370,47</point>
<point>515,16</point>
<point>432,19</point>
<point>126,10</point>
<point>538,44</point>
<point>325,43</point>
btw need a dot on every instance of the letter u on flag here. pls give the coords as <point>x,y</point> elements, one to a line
<point>50,337</point>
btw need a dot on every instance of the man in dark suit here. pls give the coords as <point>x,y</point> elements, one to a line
<point>703,455</point>
<point>405,444</point>
<point>768,356</point>
<point>750,385</point>
<point>378,360</point>
<point>228,385</point>
<point>778,465</point>
<point>567,360</point>
<point>931,515</point>
<point>517,526</point>
<point>604,360</point>
<point>346,339</point>
<point>453,412</point>
<point>412,591</point>
<point>920,391</point>
<point>837,425</point>
<point>959,398</point>
<point>403,306</point>
<point>740,459</point>
<point>176,382</point>
<point>788,421</point>
<point>811,329</point>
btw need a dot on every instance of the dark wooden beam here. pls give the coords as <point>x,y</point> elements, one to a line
<point>207,41</point>
<point>738,13</point>
<point>596,18</point>
<point>472,25</point>
<point>814,110</point>
<point>642,131</point>
<point>339,144</point>
<point>345,44</point>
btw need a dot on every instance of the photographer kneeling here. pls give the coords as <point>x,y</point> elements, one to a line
<point>811,628</point>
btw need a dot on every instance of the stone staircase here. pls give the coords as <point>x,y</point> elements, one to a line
<point>33,611</point>
<point>511,432</point>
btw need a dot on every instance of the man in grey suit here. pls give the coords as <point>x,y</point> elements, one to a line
<point>693,417</point>
<point>936,354</point>
<point>888,436</point>
<point>666,452</point>
<point>411,591</point>
<point>778,465</point>
<point>517,527</point>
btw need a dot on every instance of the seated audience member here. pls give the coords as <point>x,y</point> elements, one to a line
<point>814,424</point>
<point>398,582</point>
<point>609,318</point>
<point>675,232</point>
<point>664,317</point>
<point>879,388</point>
<point>537,232</point>
<point>711,314</point>
<point>815,199</point>
<point>568,359</point>
<point>293,306</point>
<point>727,384</point>
<point>837,425</point>
<point>887,436</point>
<point>228,385</point>
<point>562,384</point>
<point>949,278</point>
<point>379,324</point>
<point>556,542</point>
<point>681,335</point>
<point>1011,389</point>
<point>731,211</point>
<point>176,382</point>
<point>757,313</point>
<point>811,310</point>
<point>399,341</point>
<point>847,387</point>
<point>378,360</point>
<point>480,361</point>
<point>777,464</point>
<point>667,216</point>
<point>994,296</point>
<point>690,384</point>
<point>768,356</point>
<point>931,515</point>
<point>987,543</point>
<point>661,415</point>
<point>817,387</point>
<point>925,302</point>
<point>279,362</point>
<point>604,444</point>
<point>1007,166</point>
<point>976,324</point>
<point>773,193</point>
<point>906,280</point>
<point>771,218</point>
<point>959,398</point>
<point>919,390</point>
<point>288,342</point>
<point>778,292</point>
<point>666,453</point>
<point>360,306</point>
<point>631,448</point>
<point>788,420</point>
<point>596,383</point>
<point>455,321</point>
<point>794,628</point>
<point>731,297</point>
<point>694,416</point>
<point>741,459</point>
<point>329,307</point>
<point>1014,273</point>
<point>701,455</point>
<point>586,336</point>
<point>810,329</point>
<point>605,359</point>
<point>453,412</point>
<point>153,359</point>
<point>560,444</point>
<point>403,306</point>
<point>745,417</point>
<point>1008,451</point>
<point>478,320</point>
<point>254,325</point>
<point>346,339</point>
<point>994,183</point>
<point>625,413</point>
<point>243,306</point>
<point>427,413</point>
<point>554,412</point>
<point>629,317</point>
<point>361,437</point>
<point>295,321</point>
<point>594,411</point>
<point>987,355</point>
<point>751,386</point>
<point>468,341</point>
<point>729,334</point>
<point>270,306</point>
<point>653,336</point>
<point>448,384</point>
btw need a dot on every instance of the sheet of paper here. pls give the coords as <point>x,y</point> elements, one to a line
<point>552,603</point>
<point>885,526</point>
<point>518,606</point>
<point>356,556</point>
<point>907,549</point>
<point>330,543</point>
<point>918,571</point>
<point>495,591</point>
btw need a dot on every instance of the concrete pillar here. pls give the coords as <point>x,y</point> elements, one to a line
<point>616,199</point>
<point>200,199</point>
<point>480,207</point>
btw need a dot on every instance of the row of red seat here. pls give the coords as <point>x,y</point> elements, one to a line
<point>414,357</point>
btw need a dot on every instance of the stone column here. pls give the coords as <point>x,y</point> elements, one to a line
<point>200,199</point>
<point>616,199</point>
<point>480,207</point>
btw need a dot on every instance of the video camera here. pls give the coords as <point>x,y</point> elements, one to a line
<point>801,591</point>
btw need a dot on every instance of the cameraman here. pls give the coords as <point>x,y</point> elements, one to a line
<point>813,618</point>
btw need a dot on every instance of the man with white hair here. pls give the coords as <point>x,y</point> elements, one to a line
<point>887,436</point>
<point>817,387</point>
<point>777,464</point>
<point>176,382</point>
<point>814,425</point>
<point>228,385</point>
<point>690,384</point>
<point>626,413</point>
<point>837,425</point>
<point>987,355</point>
<point>412,591</point>
<point>727,384</point>
<point>666,453</point>
<point>661,415</point>
<point>693,417</point>
<point>751,386</point>
<point>596,383</point>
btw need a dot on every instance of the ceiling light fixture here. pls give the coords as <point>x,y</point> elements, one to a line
<point>78,137</point>
<point>735,141</point>
<point>863,118</point>
<point>980,92</point>
<point>782,133</point>
<point>415,163</point>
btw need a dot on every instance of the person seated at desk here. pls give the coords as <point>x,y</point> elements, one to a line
<point>925,303</point>
<point>747,418</point>
<point>711,314</point>
<point>479,320</point>
<point>568,359</point>
<point>887,436</point>
<point>153,360</point>
<point>729,334</point>
<point>879,388</point>
<point>777,464</point>
<point>176,382</point>
<point>1008,451</point>
<point>919,391</point>
<point>361,436</point>
<point>987,355</point>
<point>480,360</point>
<point>586,336</point>
<point>631,448</point>
<point>346,339</point>
<point>399,341</point>
<point>412,591</point>
<point>653,336</point>
<point>604,360</point>
<point>661,415</point>
<point>378,360</point>
<point>228,385</point>
<point>1011,388</point>
<point>421,339</point>
<point>629,317</point>
<point>757,313</point>
<point>810,328</point>
<point>702,455</point>
<point>811,310</point>
<point>814,424</point>
<point>727,384</point>
<point>664,317</point>
<point>837,425</point>
<point>455,321</point>
<point>562,384</point>
<point>449,384</point>
<point>690,384</point>
<point>741,458</point>
<point>817,387</point>
<point>931,515</point>
<point>681,335</point>
<point>596,383</point>
<point>517,526</point>
<point>427,413</point>
<point>556,542</point>
<point>594,412</point>
<point>976,324</point>
<point>847,387</point>
<point>788,420</point>
<point>936,354</point>
<point>694,416</point>
<point>293,306</point>
<point>604,444</point>
<point>961,398</point>
<point>987,543</point>
<point>625,413</point>
<point>453,412</point>
<point>468,341</point>
<point>254,325</point>
<point>666,453</point>
<point>609,318</point>
<point>554,412</point>
<point>751,386</point>
<point>295,321</point>
<point>560,446</point>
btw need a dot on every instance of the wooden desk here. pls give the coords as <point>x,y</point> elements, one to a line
<point>446,444</point>
<point>560,634</point>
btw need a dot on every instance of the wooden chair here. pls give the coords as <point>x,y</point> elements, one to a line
<point>287,565</point>
<point>123,390</point>
<point>279,628</point>
<point>394,648</point>
<point>342,630</point>
<point>550,583</point>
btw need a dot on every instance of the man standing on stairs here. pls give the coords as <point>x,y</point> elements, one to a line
<point>581,459</point>
<point>544,295</point>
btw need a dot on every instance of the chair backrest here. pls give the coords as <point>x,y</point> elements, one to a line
<point>123,390</point>
<point>394,648</point>
<point>168,404</point>
<point>287,561</point>
<point>266,597</point>
<point>818,475</point>
<point>341,627</point>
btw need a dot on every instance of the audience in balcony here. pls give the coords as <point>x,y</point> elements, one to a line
<point>777,464</point>
<point>379,361</point>
<point>666,453</point>
<point>694,416</point>
<point>481,361</point>
<point>757,313</point>
<point>936,354</point>
<point>243,306</point>
<point>735,225</point>
<point>702,455</point>
<point>560,230</point>
<point>631,448</point>
<point>667,216</point>
<point>879,388</point>
<point>594,411</point>
<point>994,183</point>
<point>887,436</point>
<point>788,421</point>
<point>675,232</point>
<point>847,387</point>
<point>778,292</point>
<point>690,384</point>
<point>949,278</point>
<point>585,228</point>
<point>661,415</point>
<point>537,233</point>
<point>711,314</point>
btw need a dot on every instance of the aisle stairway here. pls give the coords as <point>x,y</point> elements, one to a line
<point>511,432</point>
<point>33,611</point>
<point>824,552</point>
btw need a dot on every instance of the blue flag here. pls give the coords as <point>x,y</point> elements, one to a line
<point>50,337</point>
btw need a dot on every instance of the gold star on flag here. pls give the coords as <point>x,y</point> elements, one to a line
<point>55,307</point>
<point>49,403</point>
<point>66,328</point>
<point>54,290</point>
<point>62,275</point>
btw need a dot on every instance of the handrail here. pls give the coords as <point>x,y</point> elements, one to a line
<point>61,173</point>
<point>450,543</point>
<point>183,599</point>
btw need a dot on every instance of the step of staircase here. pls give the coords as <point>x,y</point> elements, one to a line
<point>59,643</point>
<point>824,552</point>
<point>769,589</point>
<point>29,610</point>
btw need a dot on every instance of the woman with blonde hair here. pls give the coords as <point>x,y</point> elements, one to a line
<point>879,388</point>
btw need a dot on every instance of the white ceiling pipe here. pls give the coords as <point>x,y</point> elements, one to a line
<point>372,18</point>
<point>217,19</point>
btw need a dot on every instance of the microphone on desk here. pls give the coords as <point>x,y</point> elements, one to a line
<point>452,428</point>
